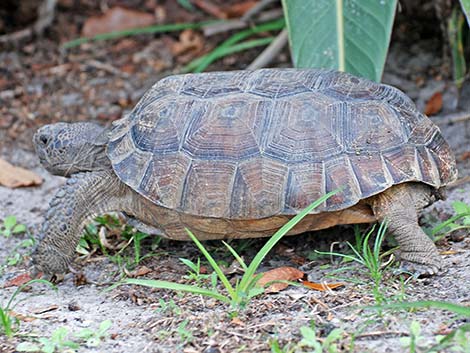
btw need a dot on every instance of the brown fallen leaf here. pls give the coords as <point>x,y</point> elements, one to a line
<point>116,19</point>
<point>321,286</point>
<point>13,177</point>
<point>279,274</point>
<point>18,280</point>
<point>465,155</point>
<point>236,321</point>
<point>449,252</point>
<point>46,309</point>
<point>190,44</point>
<point>434,104</point>
<point>141,271</point>
<point>210,8</point>
<point>22,317</point>
<point>239,9</point>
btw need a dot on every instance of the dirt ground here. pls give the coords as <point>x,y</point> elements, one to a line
<point>42,83</point>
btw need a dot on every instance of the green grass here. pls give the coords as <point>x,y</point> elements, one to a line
<point>61,340</point>
<point>458,339</point>
<point>10,226</point>
<point>310,342</point>
<point>233,45</point>
<point>174,27</point>
<point>8,323</point>
<point>461,220</point>
<point>370,258</point>
<point>240,294</point>
<point>128,236</point>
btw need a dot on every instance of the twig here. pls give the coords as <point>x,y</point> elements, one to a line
<point>382,333</point>
<point>270,53</point>
<point>107,67</point>
<point>458,182</point>
<point>210,8</point>
<point>451,118</point>
<point>45,18</point>
<point>256,9</point>
<point>225,26</point>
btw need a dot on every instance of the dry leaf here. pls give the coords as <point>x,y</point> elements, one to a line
<point>18,280</point>
<point>210,8</point>
<point>116,19</point>
<point>434,104</point>
<point>190,45</point>
<point>239,9</point>
<point>22,317</point>
<point>46,309</point>
<point>465,155</point>
<point>141,271</point>
<point>13,177</point>
<point>449,252</point>
<point>279,274</point>
<point>236,320</point>
<point>321,286</point>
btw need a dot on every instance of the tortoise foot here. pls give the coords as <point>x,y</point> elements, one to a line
<point>418,270</point>
<point>420,264</point>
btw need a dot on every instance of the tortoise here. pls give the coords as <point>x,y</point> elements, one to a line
<point>237,154</point>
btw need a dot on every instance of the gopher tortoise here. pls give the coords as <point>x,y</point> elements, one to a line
<point>237,154</point>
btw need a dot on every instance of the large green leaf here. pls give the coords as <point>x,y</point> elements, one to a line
<point>347,35</point>
<point>466,9</point>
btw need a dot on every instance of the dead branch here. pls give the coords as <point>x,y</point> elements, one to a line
<point>45,18</point>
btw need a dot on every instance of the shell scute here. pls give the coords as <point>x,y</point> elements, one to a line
<point>254,144</point>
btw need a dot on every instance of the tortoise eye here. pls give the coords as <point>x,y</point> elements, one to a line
<point>43,139</point>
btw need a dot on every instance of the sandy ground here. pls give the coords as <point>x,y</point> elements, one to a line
<point>81,91</point>
<point>138,324</point>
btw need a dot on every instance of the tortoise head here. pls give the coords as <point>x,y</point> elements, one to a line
<point>68,148</point>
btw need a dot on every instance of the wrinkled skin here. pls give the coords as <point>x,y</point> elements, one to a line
<point>64,149</point>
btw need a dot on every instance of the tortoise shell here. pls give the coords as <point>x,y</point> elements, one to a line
<point>254,144</point>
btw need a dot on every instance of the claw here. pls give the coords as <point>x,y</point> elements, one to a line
<point>418,270</point>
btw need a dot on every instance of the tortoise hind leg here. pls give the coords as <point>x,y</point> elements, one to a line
<point>399,205</point>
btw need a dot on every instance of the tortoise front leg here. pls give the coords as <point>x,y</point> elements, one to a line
<point>398,206</point>
<point>84,196</point>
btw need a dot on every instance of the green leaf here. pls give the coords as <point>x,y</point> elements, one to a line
<point>194,267</point>
<point>104,326</point>
<point>460,207</point>
<point>9,222</point>
<point>465,4</point>
<point>186,4</point>
<point>308,334</point>
<point>455,28</point>
<point>347,35</point>
<point>27,347</point>
<point>19,228</point>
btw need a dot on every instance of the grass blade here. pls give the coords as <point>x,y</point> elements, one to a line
<point>201,63</point>
<point>455,308</point>
<point>441,226</point>
<point>135,31</point>
<point>231,50</point>
<point>172,286</point>
<point>247,277</point>
<point>214,265</point>
<point>236,256</point>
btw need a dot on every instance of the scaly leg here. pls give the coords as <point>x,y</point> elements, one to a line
<point>84,196</point>
<point>397,205</point>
